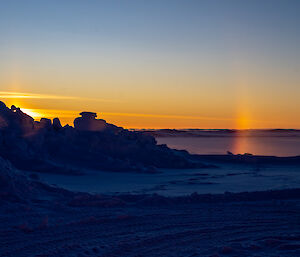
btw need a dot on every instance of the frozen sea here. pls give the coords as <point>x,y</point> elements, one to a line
<point>258,143</point>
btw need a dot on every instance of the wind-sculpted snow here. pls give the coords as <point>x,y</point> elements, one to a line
<point>92,143</point>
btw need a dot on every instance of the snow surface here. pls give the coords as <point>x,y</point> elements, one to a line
<point>228,177</point>
<point>38,220</point>
<point>259,228</point>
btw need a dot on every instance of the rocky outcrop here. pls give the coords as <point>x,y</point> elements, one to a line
<point>88,122</point>
<point>56,124</point>
<point>92,143</point>
<point>14,119</point>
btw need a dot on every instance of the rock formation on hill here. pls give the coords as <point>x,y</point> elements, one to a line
<point>46,146</point>
<point>88,122</point>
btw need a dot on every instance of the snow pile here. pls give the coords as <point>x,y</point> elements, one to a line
<point>13,185</point>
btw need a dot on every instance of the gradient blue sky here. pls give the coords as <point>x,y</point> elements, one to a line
<point>205,64</point>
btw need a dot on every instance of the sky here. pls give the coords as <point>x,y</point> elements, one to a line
<point>155,63</point>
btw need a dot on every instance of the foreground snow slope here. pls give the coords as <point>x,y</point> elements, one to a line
<point>269,228</point>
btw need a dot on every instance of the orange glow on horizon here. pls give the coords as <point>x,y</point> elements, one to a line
<point>71,115</point>
<point>40,105</point>
<point>134,120</point>
<point>243,122</point>
<point>33,113</point>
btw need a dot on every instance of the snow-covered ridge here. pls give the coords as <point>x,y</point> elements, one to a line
<point>46,146</point>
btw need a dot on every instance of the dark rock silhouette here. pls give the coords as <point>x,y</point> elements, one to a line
<point>44,124</point>
<point>93,143</point>
<point>56,124</point>
<point>88,122</point>
<point>14,119</point>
